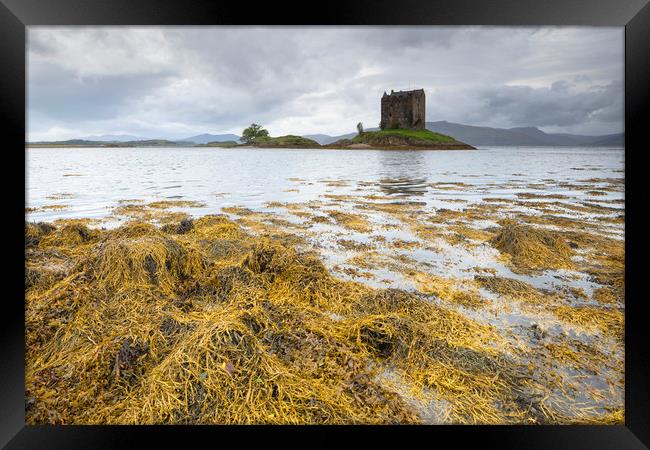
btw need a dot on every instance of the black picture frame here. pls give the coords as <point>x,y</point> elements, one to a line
<point>634,15</point>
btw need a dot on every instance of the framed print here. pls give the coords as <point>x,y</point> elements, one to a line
<point>356,220</point>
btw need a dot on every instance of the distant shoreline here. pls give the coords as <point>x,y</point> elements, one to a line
<point>359,147</point>
<point>324,147</point>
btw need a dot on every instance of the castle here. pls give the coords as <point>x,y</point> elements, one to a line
<point>403,109</point>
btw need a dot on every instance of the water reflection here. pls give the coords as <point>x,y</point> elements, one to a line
<point>403,173</point>
<point>403,163</point>
<point>403,186</point>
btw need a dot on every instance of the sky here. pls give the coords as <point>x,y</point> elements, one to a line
<point>176,82</point>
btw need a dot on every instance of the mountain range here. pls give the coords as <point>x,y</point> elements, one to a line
<point>198,139</point>
<point>206,138</point>
<point>113,138</point>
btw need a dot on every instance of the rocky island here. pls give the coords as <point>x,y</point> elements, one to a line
<point>402,127</point>
<point>399,139</point>
<point>288,141</point>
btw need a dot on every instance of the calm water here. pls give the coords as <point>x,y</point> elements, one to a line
<point>90,181</point>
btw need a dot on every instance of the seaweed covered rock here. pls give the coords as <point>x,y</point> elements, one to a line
<point>47,268</point>
<point>508,287</point>
<point>217,227</point>
<point>232,278</point>
<point>34,232</point>
<point>128,358</point>
<point>388,300</point>
<point>122,263</point>
<point>383,335</point>
<point>215,326</point>
<point>70,235</point>
<point>133,230</point>
<point>532,248</point>
<point>270,258</point>
<point>182,227</point>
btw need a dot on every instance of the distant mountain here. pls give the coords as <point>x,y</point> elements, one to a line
<point>610,140</point>
<point>205,138</point>
<point>149,143</point>
<point>519,136</point>
<point>523,136</point>
<point>324,139</point>
<point>114,138</point>
<point>86,143</point>
<point>616,140</point>
<point>537,136</point>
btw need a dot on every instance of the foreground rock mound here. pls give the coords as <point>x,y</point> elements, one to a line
<point>203,323</point>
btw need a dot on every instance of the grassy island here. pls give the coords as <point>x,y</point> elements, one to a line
<point>402,139</point>
<point>420,135</point>
<point>224,144</point>
<point>288,141</point>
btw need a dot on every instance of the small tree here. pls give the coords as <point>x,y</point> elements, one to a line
<point>382,125</point>
<point>360,127</point>
<point>252,133</point>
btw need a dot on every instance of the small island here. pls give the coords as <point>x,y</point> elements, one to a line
<point>398,139</point>
<point>288,141</point>
<point>401,128</point>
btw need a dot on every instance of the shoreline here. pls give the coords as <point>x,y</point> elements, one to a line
<point>324,147</point>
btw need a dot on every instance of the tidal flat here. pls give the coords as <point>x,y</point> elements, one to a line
<point>426,291</point>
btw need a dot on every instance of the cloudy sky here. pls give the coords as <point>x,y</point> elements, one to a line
<point>175,82</point>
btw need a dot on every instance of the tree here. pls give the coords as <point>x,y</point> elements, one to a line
<point>252,133</point>
<point>360,127</point>
<point>382,125</point>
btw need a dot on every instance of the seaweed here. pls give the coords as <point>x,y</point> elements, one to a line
<point>153,327</point>
<point>212,320</point>
<point>532,248</point>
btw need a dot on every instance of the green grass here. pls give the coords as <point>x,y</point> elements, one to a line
<point>224,144</point>
<point>288,140</point>
<point>424,135</point>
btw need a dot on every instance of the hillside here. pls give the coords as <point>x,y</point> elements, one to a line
<point>208,138</point>
<point>521,136</point>
<point>224,144</point>
<point>288,141</point>
<point>115,138</point>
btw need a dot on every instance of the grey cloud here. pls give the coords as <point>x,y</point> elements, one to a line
<point>559,105</point>
<point>181,80</point>
<point>58,93</point>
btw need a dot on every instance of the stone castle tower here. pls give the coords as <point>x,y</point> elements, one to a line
<point>403,109</point>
